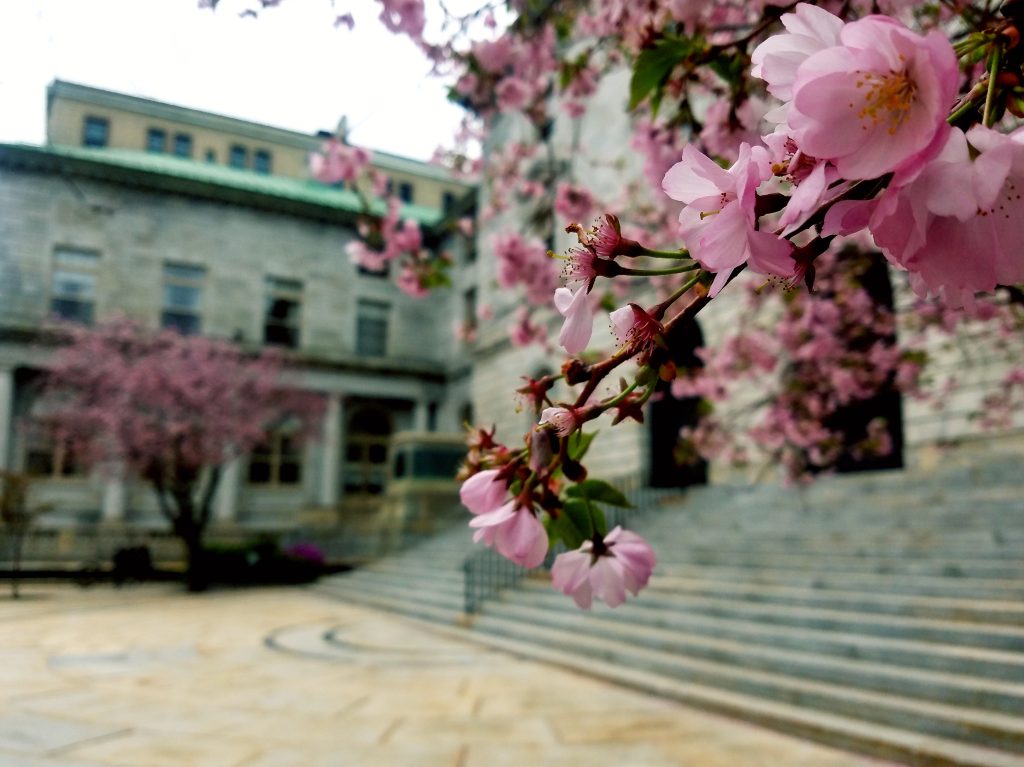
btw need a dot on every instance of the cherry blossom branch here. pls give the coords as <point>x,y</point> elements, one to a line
<point>993,74</point>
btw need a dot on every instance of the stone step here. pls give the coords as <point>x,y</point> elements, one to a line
<point>934,681</point>
<point>844,548</point>
<point>986,728</point>
<point>889,564</point>
<point>448,601</point>
<point>441,615</point>
<point>871,738</point>
<point>909,505</point>
<point>952,632</point>
<point>952,529</point>
<point>922,585</point>
<point>441,570</point>
<point>937,567</point>
<point>658,607</point>
<point>927,542</point>
<point>999,611</point>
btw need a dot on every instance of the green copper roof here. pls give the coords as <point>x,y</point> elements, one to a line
<point>164,172</point>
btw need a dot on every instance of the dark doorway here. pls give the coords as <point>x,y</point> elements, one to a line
<point>668,415</point>
<point>367,440</point>
<point>852,420</point>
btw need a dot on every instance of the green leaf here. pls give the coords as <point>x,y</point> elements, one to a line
<point>600,491</point>
<point>600,523</point>
<point>579,511</point>
<point>729,68</point>
<point>573,523</point>
<point>653,67</point>
<point>579,443</point>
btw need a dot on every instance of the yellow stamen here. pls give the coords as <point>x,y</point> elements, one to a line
<point>888,99</point>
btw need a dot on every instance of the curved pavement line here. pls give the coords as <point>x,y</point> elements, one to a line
<point>410,656</point>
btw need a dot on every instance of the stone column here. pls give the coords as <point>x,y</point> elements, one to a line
<point>6,417</point>
<point>330,469</point>
<point>225,501</point>
<point>420,417</point>
<point>113,509</point>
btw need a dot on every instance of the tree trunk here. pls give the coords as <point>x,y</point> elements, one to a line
<point>197,577</point>
<point>176,503</point>
<point>16,541</point>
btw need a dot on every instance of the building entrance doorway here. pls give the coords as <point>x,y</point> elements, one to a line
<point>668,415</point>
<point>852,420</point>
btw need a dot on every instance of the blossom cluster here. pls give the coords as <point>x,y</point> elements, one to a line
<point>384,236</point>
<point>509,502</point>
<point>865,108</point>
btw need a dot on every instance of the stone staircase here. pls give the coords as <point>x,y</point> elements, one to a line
<point>882,613</point>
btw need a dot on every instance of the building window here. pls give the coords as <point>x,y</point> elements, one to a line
<point>182,145</point>
<point>372,328</point>
<point>74,285</point>
<point>278,461</point>
<point>48,457</point>
<point>183,292</point>
<point>156,140</point>
<point>447,202</point>
<point>261,161</point>
<point>96,131</point>
<point>283,309</point>
<point>238,157</point>
<point>405,192</point>
<point>211,156</point>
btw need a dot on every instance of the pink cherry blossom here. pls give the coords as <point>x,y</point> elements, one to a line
<point>338,163</point>
<point>632,324</point>
<point>483,492</point>
<point>563,420</point>
<point>809,30</point>
<point>514,532</point>
<point>625,564</point>
<point>403,16</point>
<point>579,266</point>
<point>525,262</point>
<point>572,202</point>
<point>606,238</point>
<point>876,103</point>
<point>579,319</point>
<point>958,227</point>
<point>719,222</point>
<point>410,283</point>
<point>513,94</point>
<point>524,331</point>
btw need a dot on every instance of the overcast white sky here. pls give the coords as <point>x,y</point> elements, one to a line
<point>290,67</point>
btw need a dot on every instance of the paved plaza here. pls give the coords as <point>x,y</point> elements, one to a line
<point>151,677</point>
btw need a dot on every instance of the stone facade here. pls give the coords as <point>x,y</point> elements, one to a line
<point>386,363</point>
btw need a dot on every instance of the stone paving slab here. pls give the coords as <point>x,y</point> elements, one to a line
<point>150,677</point>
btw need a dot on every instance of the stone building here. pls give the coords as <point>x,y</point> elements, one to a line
<point>106,221</point>
<point>633,452</point>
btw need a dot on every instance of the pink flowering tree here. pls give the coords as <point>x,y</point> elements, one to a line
<point>805,143</point>
<point>171,410</point>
